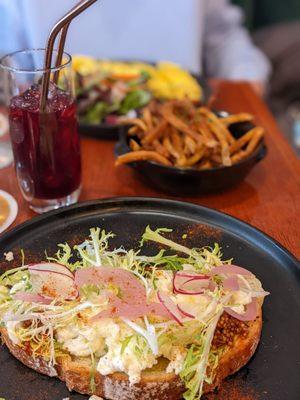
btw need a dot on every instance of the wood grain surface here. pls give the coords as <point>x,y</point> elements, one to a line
<point>269,198</point>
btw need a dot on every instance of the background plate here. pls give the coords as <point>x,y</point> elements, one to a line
<point>107,131</point>
<point>273,372</point>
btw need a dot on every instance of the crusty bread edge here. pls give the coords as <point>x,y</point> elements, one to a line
<point>154,385</point>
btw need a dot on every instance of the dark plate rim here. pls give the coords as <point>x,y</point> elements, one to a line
<point>155,201</point>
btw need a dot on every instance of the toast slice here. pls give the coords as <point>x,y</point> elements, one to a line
<point>155,383</point>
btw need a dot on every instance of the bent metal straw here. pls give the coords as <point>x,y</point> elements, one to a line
<point>61,46</point>
<point>61,24</point>
<point>60,52</point>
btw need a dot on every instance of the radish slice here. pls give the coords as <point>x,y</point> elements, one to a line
<point>185,313</point>
<point>190,283</point>
<point>230,269</point>
<point>53,285</point>
<point>31,298</point>
<point>249,315</point>
<point>51,267</point>
<point>231,283</point>
<point>195,284</point>
<point>170,306</point>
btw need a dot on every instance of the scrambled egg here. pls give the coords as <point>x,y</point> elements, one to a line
<point>177,356</point>
<point>105,338</point>
<point>84,65</point>
<point>81,340</point>
<point>125,70</point>
<point>169,81</point>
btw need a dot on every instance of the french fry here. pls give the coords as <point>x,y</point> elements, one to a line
<point>216,158</point>
<point>243,140</point>
<point>176,140</point>
<point>133,130</point>
<point>223,142</point>
<point>257,135</point>
<point>251,146</point>
<point>168,145</point>
<point>134,145</point>
<point>160,148</point>
<point>135,121</point>
<point>189,145</point>
<point>239,156</point>
<point>142,155</point>
<point>212,118</point>
<point>178,146</point>
<point>156,132</point>
<point>147,117</point>
<point>206,133</point>
<point>195,158</point>
<point>233,119</point>
<point>178,133</point>
<point>179,124</point>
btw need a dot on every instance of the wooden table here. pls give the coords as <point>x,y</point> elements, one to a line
<point>269,199</point>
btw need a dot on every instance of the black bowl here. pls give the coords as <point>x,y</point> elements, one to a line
<point>179,182</point>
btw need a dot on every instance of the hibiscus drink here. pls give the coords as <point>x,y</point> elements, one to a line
<point>43,128</point>
<point>45,145</point>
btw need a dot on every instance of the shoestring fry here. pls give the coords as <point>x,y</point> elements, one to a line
<point>182,134</point>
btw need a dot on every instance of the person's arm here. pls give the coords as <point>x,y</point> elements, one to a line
<point>228,50</point>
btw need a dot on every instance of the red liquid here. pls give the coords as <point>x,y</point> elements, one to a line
<point>46,145</point>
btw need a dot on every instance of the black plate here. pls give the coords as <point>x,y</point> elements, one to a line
<point>273,372</point>
<point>111,132</point>
<point>189,181</point>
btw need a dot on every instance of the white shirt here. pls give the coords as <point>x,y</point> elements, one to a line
<point>201,35</point>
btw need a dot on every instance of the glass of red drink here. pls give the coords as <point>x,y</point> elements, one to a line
<point>45,143</point>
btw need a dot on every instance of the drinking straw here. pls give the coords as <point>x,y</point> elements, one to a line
<point>64,21</point>
<point>61,47</point>
<point>60,51</point>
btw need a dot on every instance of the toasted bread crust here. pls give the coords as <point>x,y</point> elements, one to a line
<point>153,385</point>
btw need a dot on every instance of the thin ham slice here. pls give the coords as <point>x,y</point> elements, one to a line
<point>132,300</point>
<point>249,315</point>
<point>118,308</point>
<point>118,277</point>
<point>231,283</point>
<point>31,298</point>
<point>230,269</point>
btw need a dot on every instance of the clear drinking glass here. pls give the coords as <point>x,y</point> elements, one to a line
<point>45,144</point>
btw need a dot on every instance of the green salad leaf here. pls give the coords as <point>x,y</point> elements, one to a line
<point>96,113</point>
<point>133,100</point>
